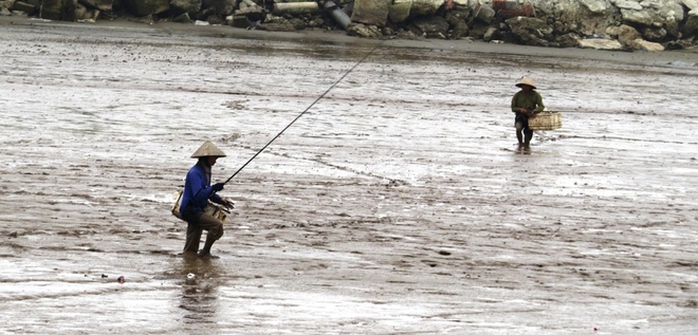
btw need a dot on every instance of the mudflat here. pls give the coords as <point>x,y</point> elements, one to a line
<point>398,203</point>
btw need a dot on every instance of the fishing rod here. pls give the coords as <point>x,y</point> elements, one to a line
<point>301,114</point>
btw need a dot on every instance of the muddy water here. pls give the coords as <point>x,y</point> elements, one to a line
<point>398,204</point>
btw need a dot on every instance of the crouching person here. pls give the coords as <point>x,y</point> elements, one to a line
<point>197,192</point>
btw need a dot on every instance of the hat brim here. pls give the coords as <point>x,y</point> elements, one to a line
<point>208,150</point>
<point>522,84</point>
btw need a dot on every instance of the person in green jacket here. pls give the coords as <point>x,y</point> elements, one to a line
<point>525,103</point>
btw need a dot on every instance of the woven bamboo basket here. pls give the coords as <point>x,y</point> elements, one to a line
<point>545,121</point>
<point>212,209</point>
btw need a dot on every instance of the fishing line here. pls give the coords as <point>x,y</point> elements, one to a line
<point>301,114</point>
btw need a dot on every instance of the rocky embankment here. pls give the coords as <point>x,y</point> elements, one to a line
<point>649,25</point>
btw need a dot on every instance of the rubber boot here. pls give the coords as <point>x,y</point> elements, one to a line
<point>529,136</point>
<point>519,135</point>
<point>206,251</point>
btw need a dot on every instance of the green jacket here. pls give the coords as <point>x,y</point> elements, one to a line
<point>532,101</point>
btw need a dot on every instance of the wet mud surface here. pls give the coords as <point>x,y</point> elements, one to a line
<point>398,204</point>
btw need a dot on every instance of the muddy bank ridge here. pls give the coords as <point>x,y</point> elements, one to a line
<point>655,25</point>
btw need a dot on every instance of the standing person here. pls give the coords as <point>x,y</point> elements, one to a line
<point>197,192</point>
<point>525,103</point>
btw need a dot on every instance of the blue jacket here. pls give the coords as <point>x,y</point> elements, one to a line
<point>197,191</point>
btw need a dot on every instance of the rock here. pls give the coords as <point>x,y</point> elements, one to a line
<point>679,45</point>
<point>399,11</point>
<point>584,17</point>
<point>24,7</point>
<point>484,13</point>
<point>628,5</point>
<point>559,23</point>
<point>105,5</point>
<point>457,15</point>
<point>203,14</point>
<point>595,6</point>
<point>148,7</point>
<point>223,7</point>
<point>491,33</point>
<point>627,35</point>
<point>654,34</point>
<point>190,7</point>
<point>371,12</point>
<point>478,30</point>
<point>691,26</point>
<point>387,31</point>
<point>406,35</point>
<point>425,7</point>
<point>85,14</point>
<point>432,26</point>
<point>360,29</point>
<point>658,14</point>
<point>530,30</point>
<point>182,18</point>
<point>690,4</point>
<point>637,17</point>
<point>567,41</point>
<point>402,10</point>
<point>460,30</point>
<point>249,17</point>
<point>600,44</point>
<point>640,44</point>
<point>59,10</point>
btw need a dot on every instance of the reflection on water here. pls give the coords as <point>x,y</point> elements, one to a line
<point>200,282</point>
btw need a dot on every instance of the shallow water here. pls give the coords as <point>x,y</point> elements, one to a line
<point>397,204</point>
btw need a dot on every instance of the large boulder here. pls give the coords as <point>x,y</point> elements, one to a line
<point>600,44</point>
<point>105,5</point>
<point>460,30</point>
<point>432,26</point>
<point>422,7</point>
<point>399,11</point>
<point>223,7</point>
<point>583,17</point>
<point>654,34</point>
<point>26,7</point>
<point>691,26</point>
<point>371,12</point>
<point>626,35</point>
<point>403,10</point>
<point>570,40</point>
<point>530,30</point>
<point>457,18</point>
<point>59,10</point>
<point>148,7</point>
<point>190,7</point>
<point>640,44</point>
<point>484,13</point>
<point>666,14</point>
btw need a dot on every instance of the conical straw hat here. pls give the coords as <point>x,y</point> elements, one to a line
<point>208,150</point>
<point>525,81</point>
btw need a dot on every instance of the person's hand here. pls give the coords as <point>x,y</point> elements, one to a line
<point>523,111</point>
<point>227,204</point>
<point>217,187</point>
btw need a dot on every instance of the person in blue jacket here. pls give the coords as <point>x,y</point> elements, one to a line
<point>197,193</point>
